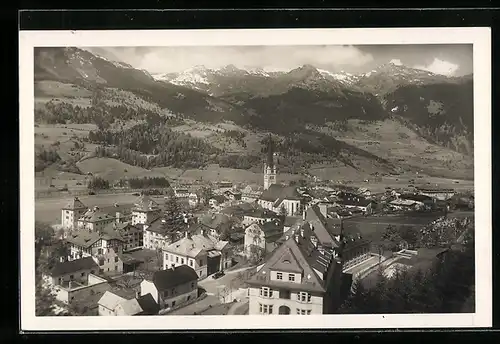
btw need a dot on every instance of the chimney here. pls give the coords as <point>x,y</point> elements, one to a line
<point>302,232</point>
<point>70,285</point>
<point>96,208</point>
<point>186,234</point>
<point>202,231</point>
<point>287,237</point>
<point>296,238</point>
<point>304,214</point>
<point>118,217</point>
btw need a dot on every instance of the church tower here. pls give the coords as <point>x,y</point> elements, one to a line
<point>269,166</point>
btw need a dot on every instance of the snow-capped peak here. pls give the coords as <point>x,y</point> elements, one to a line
<point>341,76</point>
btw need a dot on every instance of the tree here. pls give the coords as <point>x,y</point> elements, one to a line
<point>206,194</point>
<point>44,298</point>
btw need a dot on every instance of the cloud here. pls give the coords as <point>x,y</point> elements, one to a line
<point>396,62</point>
<point>439,66</point>
<point>175,59</point>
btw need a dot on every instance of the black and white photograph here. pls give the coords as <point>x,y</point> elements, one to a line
<point>241,175</point>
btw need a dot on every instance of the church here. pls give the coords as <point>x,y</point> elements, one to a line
<point>276,197</point>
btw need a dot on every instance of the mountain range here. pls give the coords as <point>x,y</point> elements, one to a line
<point>436,107</point>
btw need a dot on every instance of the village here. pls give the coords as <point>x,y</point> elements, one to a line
<point>238,249</point>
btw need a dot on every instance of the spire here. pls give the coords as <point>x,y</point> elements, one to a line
<point>270,152</point>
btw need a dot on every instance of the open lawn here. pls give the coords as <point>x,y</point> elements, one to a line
<point>112,169</point>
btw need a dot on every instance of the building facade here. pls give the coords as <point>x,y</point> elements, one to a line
<point>71,212</point>
<point>172,287</point>
<point>145,210</point>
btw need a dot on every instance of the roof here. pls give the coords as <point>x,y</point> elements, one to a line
<point>404,202</point>
<point>219,198</point>
<point>320,226</point>
<point>74,204</point>
<point>260,213</point>
<point>192,245</point>
<point>161,226</point>
<point>145,203</point>
<point>276,191</point>
<point>291,220</point>
<point>128,307</point>
<point>95,215</point>
<point>148,304</point>
<point>354,200</point>
<point>76,265</point>
<point>166,279</point>
<point>84,238</point>
<point>291,256</point>
<point>110,300</point>
<point>414,197</point>
<point>214,221</point>
<point>122,227</point>
<point>272,230</point>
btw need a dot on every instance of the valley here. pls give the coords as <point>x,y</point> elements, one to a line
<point>112,121</point>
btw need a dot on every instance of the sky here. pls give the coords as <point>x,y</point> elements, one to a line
<point>451,60</point>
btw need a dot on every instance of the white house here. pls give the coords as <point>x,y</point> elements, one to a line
<point>71,212</point>
<point>144,210</point>
<point>281,198</point>
<point>202,252</point>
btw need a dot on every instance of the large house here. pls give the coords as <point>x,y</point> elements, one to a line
<point>250,194</point>
<point>172,287</point>
<point>260,238</point>
<point>132,235</point>
<point>159,233</point>
<point>260,216</point>
<point>71,212</point>
<point>145,210</point>
<point>300,278</point>
<point>94,219</point>
<point>215,224</point>
<point>202,252</point>
<point>75,280</point>
<point>105,248</point>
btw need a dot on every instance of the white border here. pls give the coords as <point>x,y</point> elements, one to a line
<point>479,37</point>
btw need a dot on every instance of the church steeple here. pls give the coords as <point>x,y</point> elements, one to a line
<point>269,165</point>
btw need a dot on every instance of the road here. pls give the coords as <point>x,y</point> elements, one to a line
<point>231,280</point>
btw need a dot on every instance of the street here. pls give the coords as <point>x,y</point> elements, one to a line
<point>226,286</point>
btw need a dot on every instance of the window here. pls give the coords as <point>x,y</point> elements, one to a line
<point>308,312</point>
<point>265,309</point>
<point>191,263</point>
<point>173,303</point>
<point>189,296</point>
<point>182,260</point>
<point>99,251</point>
<point>71,277</point>
<point>266,292</point>
<point>279,276</point>
<point>201,262</point>
<point>116,267</point>
<point>192,284</point>
<point>177,259</point>
<point>304,297</point>
<point>101,271</point>
<point>108,260</point>
<point>291,277</point>
<point>83,274</point>
<point>116,259</point>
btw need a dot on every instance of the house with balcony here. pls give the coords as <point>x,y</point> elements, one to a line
<point>214,224</point>
<point>172,287</point>
<point>160,233</point>
<point>131,235</point>
<point>201,252</point>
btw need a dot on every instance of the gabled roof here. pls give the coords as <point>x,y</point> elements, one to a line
<point>145,204</point>
<point>162,227</point>
<point>74,204</point>
<point>76,265</point>
<point>192,245</point>
<point>95,215</point>
<point>148,305</point>
<point>166,279</point>
<point>214,221</point>
<point>289,257</point>
<point>276,191</point>
<point>260,213</point>
<point>121,227</point>
<point>110,300</point>
<point>128,308</point>
<point>320,226</point>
